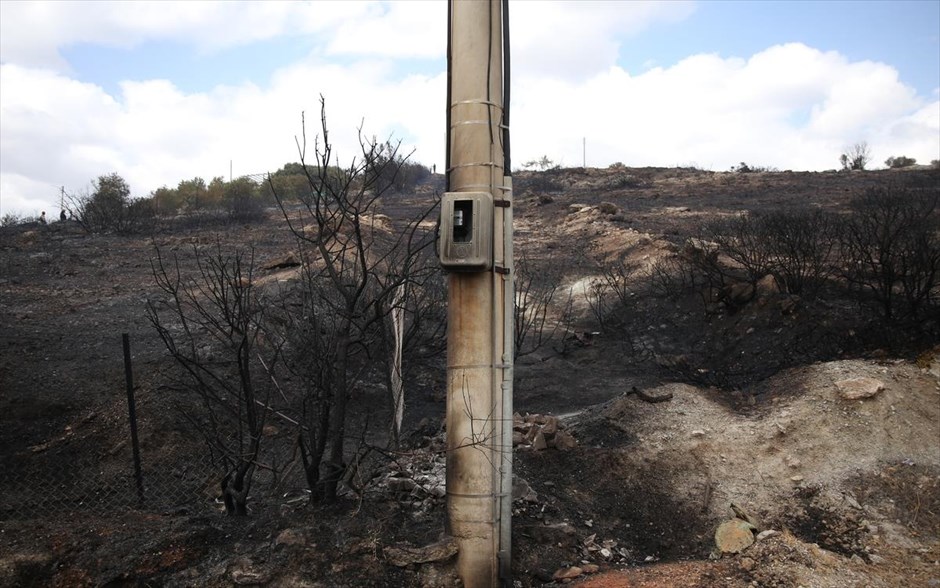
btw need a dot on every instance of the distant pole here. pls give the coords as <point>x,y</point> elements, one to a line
<point>132,415</point>
<point>584,152</point>
<point>229,171</point>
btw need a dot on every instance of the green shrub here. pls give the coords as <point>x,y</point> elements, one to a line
<point>899,162</point>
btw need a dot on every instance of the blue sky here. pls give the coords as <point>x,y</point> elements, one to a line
<point>161,92</point>
<point>190,71</point>
<point>905,34</point>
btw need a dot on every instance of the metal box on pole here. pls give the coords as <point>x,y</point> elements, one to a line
<point>466,231</point>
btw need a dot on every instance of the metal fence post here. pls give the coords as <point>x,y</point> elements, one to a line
<point>132,415</point>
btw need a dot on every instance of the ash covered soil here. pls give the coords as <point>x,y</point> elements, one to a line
<point>668,431</point>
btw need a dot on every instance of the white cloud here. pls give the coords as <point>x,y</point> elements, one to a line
<point>576,40</point>
<point>154,134</point>
<point>401,29</point>
<point>789,106</point>
<point>32,33</point>
<point>52,127</point>
<point>717,112</point>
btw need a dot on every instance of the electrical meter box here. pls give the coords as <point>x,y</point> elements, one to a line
<point>466,231</point>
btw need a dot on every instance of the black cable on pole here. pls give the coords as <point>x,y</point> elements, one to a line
<point>447,122</point>
<point>489,69</point>
<point>507,169</point>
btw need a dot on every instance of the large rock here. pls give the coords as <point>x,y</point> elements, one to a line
<point>859,388</point>
<point>550,427</point>
<point>734,536</point>
<point>564,440</point>
<point>767,286</point>
<point>700,248</point>
<point>737,295</point>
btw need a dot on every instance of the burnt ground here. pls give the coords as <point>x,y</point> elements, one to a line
<point>754,418</point>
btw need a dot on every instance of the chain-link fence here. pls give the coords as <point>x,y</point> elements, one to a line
<point>82,477</point>
<point>56,487</point>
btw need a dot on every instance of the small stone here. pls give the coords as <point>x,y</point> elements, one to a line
<point>698,433</point>
<point>539,443</point>
<point>401,484</point>
<point>245,573</point>
<point>746,516</point>
<point>269,431</point>
<point>607,208</point>
<point>605,553</point>
<point>796,479</point>
<point>590,568</point>
<point>290,537</point>
<point>747,564</point>
<point>653,396</point>
<point>793,462</point>
<point>788,305</point>
<point>567,573</point>
<point>248,577</point>
<point>766,534</point>
<point>859,388</point>
<point>521,490</point>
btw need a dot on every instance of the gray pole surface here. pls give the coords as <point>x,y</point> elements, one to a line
<point>479,363</point>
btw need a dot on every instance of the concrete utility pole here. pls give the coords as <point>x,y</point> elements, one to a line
<point>480,298</point>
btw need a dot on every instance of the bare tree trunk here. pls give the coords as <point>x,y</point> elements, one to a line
<point>235,486</point>
<point>336,465</point>
<point>396,385</point>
